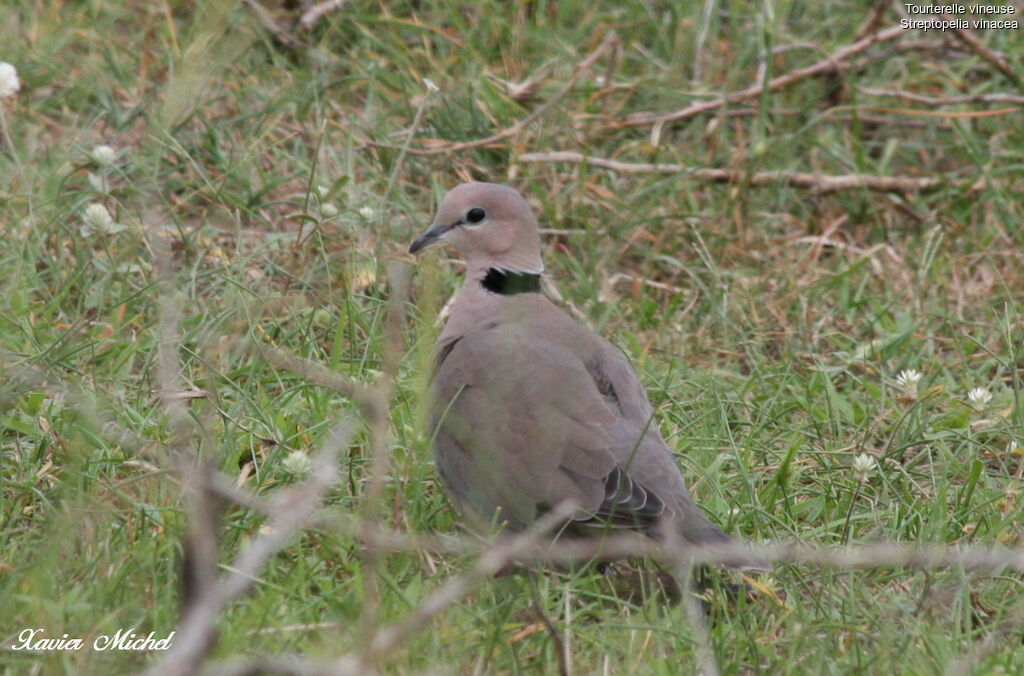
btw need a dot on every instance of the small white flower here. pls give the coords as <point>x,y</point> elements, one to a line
<point>297,464</point>
<point>431,85</point>
<point>96,219</point>
<point>863,465</point>
<point>328,210</point>
<point>103,156</point>
<point>367,212</point>
<point>907,381</point>
<point>9,82</point>
<point>979,397</point>
<point>322,190</point>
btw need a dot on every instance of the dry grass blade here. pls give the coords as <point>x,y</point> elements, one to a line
<point>943,100</point>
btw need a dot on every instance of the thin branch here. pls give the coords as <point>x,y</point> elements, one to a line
<point>631,545</point>
<point>201,548</point>
<point>610,40</point>
<point>826,65</point>
<point>992,57</point>
<point>196,631</point>
<point>377,421</point>
<point>819,183</point>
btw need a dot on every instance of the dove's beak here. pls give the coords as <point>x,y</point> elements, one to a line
<point>435,233</point>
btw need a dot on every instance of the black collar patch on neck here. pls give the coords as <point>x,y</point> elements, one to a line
<point>509,282</point>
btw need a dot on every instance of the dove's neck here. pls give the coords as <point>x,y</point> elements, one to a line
<point>491,295</point>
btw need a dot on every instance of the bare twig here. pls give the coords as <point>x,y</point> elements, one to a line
<point>196,631</point>
<point>826,65</point>
<point>201,546</point>
<point>377,420</point>
<point>629,545</point>
<point>992,57</point>
<point>820,183</point>
<point>610,40</point>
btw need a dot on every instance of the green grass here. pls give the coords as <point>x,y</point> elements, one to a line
<point>771,358</point>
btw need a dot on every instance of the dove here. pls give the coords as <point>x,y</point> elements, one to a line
<point>529,408</point>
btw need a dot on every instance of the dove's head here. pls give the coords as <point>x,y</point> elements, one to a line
<point>491,225</point>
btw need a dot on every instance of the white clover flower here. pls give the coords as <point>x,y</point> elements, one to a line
<point>297,464</point>
<point>907,381</point>
<point>863,465</point>
<point>328,210</point>
<point>322,190</point>
<point>9,82</point>
<point>979,397</point>
<point>96,219</point>
<point>367,212</point>
<point>431,85</point>
<point>103,156</point>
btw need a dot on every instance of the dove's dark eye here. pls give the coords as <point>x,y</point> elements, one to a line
<point>475,215</point>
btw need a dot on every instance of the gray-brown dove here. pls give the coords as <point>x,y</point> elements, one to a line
<point>531,408</point>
